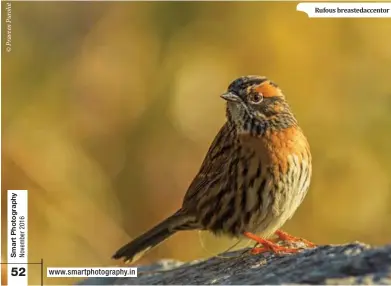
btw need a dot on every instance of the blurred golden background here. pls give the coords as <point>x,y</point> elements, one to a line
<point>109,108</point>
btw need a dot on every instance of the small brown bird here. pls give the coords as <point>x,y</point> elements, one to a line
<point>255,175</point>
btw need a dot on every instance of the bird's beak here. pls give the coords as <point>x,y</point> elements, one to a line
<point>229,96</point>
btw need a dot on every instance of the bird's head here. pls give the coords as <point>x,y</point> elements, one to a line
<point>254,104</point>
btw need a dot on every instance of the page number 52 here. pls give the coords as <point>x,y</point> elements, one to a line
<point>18,271</point>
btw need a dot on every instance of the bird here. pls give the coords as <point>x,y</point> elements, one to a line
<point>254,176</point>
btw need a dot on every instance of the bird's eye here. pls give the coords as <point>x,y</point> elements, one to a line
<point>256,97</point>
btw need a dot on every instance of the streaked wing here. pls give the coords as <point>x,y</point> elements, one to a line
<point>213,166</point>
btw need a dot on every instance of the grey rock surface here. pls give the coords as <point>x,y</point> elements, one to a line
<point>349,264</point>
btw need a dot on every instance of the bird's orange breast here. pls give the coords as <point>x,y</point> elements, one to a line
<point>274,147</point>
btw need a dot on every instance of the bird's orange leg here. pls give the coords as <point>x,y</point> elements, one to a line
<point>282,235</point>
<point>268,245</point>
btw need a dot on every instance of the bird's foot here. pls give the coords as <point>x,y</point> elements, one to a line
<point>268,246</point>
<point>274,249</point>
<point>287,237</point>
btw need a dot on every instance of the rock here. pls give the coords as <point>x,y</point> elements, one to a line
<point>349,264</point>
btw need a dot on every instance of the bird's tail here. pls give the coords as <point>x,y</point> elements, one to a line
<point>139,246</point>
